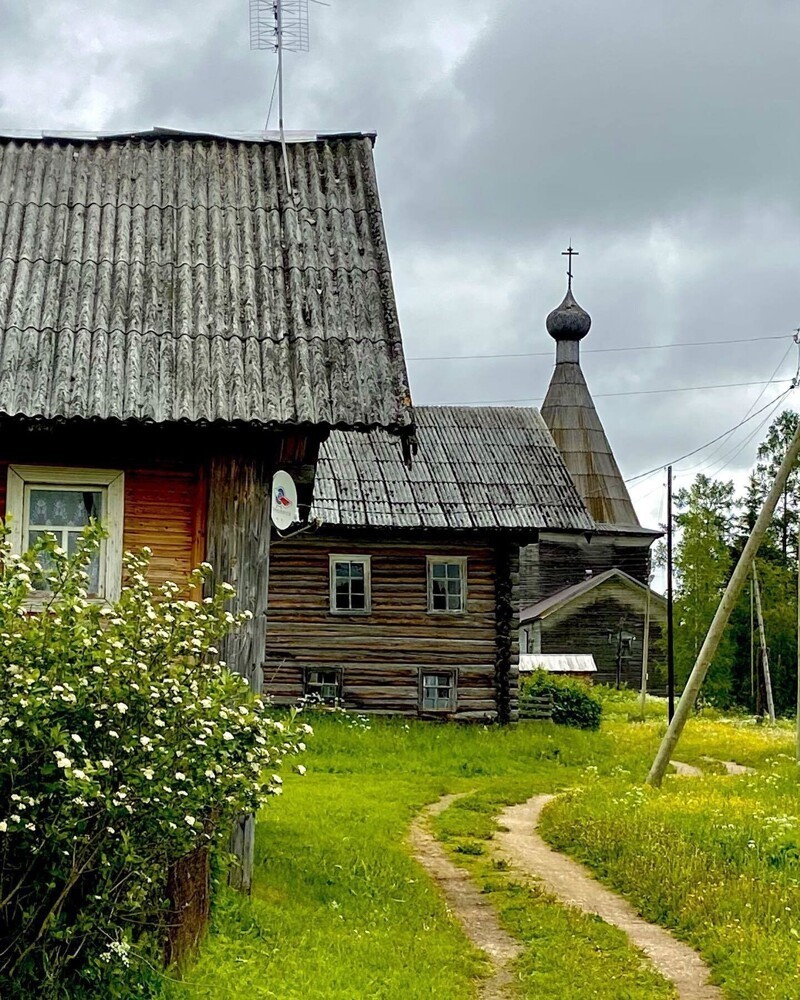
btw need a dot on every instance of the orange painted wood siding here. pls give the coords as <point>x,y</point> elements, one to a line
<point>165,508</point>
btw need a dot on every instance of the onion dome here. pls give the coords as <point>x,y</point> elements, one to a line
<point>568,321</point>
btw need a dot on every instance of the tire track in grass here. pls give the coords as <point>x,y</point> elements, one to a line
<point>528,854</point>
<point>475,914</point>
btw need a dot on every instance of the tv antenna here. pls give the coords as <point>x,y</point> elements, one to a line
<point>282,26</point>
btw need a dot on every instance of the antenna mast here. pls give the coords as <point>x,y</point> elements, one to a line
<point>280,25</point>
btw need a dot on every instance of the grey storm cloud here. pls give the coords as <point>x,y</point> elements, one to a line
<point>661,137</point>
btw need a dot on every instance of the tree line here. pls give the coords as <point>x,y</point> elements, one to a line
<point>712,523</point>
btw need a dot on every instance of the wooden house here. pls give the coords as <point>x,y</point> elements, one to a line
<point>405,598</point>
<point>602,616</point>
<point>174,326</point>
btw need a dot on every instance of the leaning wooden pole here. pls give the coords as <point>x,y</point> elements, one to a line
<point>762,639</point>
<point>726,605</point>
<point>797,728</point>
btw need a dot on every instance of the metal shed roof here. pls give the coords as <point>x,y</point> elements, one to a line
<point>164,276</point>
<point>477,468</point>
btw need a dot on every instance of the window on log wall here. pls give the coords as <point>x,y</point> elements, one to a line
<point>350,585</point>
<point>438,691</point>
<point>447,585</point>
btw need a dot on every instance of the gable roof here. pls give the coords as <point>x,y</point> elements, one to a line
<point>477,468</point>
<point>562,598</point>
<point>166,276</point>
<point>569,412</point>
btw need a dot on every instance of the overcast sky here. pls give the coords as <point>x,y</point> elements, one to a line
<point>661,136</point>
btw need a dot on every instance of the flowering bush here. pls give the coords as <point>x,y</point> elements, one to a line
<point>124,744</point>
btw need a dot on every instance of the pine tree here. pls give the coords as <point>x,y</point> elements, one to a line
<point>705,521</point>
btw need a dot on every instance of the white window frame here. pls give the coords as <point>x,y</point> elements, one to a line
<point>452,703</point>
<point>438,560</point>
<point>338,683</point>
<point>110,481</point>
<point>366,561</point>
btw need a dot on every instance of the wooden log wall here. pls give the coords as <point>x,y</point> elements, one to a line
<point>506,675</point>
<point>549,565</point>
<point>381,654</point>
<point>585,630</point>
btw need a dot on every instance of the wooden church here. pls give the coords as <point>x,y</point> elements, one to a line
<point>411,590</point>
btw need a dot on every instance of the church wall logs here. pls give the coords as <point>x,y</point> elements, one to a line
<point>550,565</point>
<point>382,654</point>
<point>587,631</point>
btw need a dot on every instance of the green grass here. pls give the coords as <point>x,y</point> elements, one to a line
<point>717,860</point>
<point>567,953</point>
<point>339,909</point>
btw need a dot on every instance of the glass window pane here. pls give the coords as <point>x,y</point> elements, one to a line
<point>454,571</point>
<point>65,508</point>
<point>438,570</point>
<point>357,601</point>
<point>342,594</point>
<point>357,571</point>
<point>342,570</point>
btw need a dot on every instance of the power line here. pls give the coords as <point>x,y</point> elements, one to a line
<point>658,468</point>
<point>627,392</point>
<point>597,350</point>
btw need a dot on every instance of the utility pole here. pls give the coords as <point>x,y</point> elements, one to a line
<point>797,727</point>
<point>752,648</point>
<point>646,643</point>
<point>762,638</point>
<point>723,613</point>
<point>670,627</point>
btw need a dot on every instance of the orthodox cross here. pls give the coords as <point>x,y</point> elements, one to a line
<point>570,253</point>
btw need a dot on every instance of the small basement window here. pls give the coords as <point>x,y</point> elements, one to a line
<point>438,691</point>
<point>63,501</point>
<point>350,584</point>
<point>323,685</point>
<point>447,585</point>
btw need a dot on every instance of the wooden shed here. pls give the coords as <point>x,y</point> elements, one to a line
<point>174,326</point>
<point>406,597</point>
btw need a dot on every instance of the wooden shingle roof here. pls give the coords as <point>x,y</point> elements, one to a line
<point>476,468</point>
<point>166,277</point>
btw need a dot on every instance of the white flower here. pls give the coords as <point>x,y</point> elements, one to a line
<point>209,773</point>
<point>80,775</point>
<point>227,736</point>
<point>300,769</point>
<point>106,764</point>
<point>3,825</point>
<point>63,761</point>
<point>180,776</point>
<point>145,741</point>
<point>121,707</point>
<point>15,818</point>
<point>277,779</point>
<point>190,820</point>
<point>77,738</point>
<point>148,773</point>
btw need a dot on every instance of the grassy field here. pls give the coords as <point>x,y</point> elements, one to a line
<point>340,910</point>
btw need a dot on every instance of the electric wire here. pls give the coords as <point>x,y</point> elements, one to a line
<point>625,392</point>
<point>598,350</point>
<point>271,101</point>
<point>663,465</point>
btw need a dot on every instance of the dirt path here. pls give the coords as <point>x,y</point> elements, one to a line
<point>686,770</point>
<point>474,912</point>
<point>730,766</point>
<point>525,850</point>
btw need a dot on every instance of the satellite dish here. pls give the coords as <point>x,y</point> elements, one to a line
<point>284,501</point>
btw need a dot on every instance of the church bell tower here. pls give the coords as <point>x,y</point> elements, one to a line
<point>571,417</point>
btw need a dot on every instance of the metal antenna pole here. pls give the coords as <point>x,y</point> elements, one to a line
<point>670,626</point>
<point>279,40</point>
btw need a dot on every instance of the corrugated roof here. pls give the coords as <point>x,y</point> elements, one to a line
<point>570,414</point>
<point>477,467</point>
<point>163,277</point>
<point>557,663</point>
